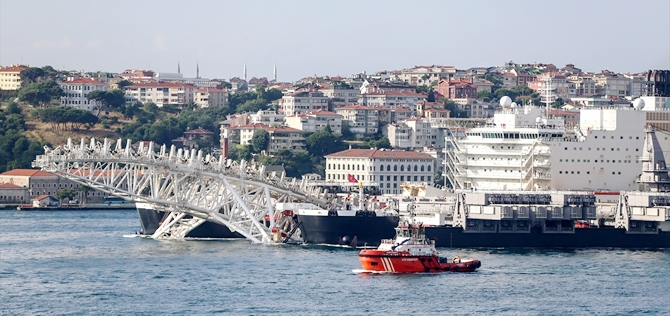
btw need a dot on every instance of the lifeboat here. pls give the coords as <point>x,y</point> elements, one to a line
<point>411,252</point>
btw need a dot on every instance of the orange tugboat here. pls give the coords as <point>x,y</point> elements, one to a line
<point>411,252</point>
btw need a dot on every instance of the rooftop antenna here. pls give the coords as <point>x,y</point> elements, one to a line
<point>178,67</point>
<point>274,73</point>
<point>245,71</point>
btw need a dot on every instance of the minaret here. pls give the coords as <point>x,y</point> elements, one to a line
<point>245,72</point>
<point>274,73</point>
<point>178,67</point>
<point>197,70</point>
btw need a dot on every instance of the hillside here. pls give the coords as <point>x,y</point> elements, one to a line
<point>42,132</point>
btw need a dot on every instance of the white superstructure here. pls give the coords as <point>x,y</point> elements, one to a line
<point>523,149</point>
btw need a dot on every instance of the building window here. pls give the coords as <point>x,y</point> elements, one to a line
<point>422,167</point>
<point>428,169</point>
<point>388,168</point>
<point>402,168</point>
<point>395,167</point>
<point>415,178</point>
<point>415,169</point>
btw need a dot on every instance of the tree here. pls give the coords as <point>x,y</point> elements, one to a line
<point>115,98</point>
<point>260,91</point>
<point>13,108</point>
<point>484,95</point>
<point>273,94</point>
<point>324,142</point>
<point>99,97</point>
<point>239,152</point>
<point>30,75</point>
<point>383,142</point>
<point>226,85</point>
<point>84,192</point>
<point>431,96</point>
<point>455,111</point>
<point>123,84</point>
<point>260,140</point>
<point>65,193</point>
<point>41,93</point>
<point>252,106</point>
<point>50,72</point>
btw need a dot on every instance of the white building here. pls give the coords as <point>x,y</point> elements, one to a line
<point>360,120</point>
<point>76,90</point>
<point>422,134</point>
<point>268,117</point>
<point>10,78</point>
<point>398,134</point>
<point>340,96</point>
<point>302,102</point>
<point>391,99</point>
<point>387,168</point>
<point>316,121</point>
<point>210,97</point>
<point>160,93</point>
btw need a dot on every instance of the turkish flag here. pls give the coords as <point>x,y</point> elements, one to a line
<point>351,178</point>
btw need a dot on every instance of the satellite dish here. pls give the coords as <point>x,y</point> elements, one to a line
<point>505,102</point>
<point>638,104</point>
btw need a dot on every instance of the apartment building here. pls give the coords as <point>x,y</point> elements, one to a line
<point>160,93</point>
<point>302,102</point>
<point>360,120</point>
<point>316,121</point>
<point>386,168</point>
<point>210,97</point>
<point>76,90</point>
<point>10,78</point>
<point>391,99</point>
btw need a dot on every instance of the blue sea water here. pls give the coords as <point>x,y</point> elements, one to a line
<point>74,263</point>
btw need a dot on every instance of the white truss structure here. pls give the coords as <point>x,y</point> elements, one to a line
<point>191,187</point>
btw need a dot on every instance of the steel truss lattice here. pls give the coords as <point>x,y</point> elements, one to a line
<point>191,187</point>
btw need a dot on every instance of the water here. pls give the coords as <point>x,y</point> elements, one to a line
<point>81,263</point>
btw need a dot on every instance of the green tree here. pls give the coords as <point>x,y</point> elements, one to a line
<point>239,152</point>
<point>65,193</point>
<point>13,108</point>
<point>253,106</point>
<point>431,96</point>
<point>123,84</point>
<point>31,74</point>
<point>41,93</point>
<point>380,143</point>
<point>50,72</point>
<point>84,192</point>
<point>273,94</point>
<point>484,95</point>
<point>115,98</point>
<point>324,142</point>
<point>260,140</point>
<point>455,111</point>
<point>226,85</point>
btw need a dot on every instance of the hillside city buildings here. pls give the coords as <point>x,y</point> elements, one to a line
<point>407,106</point>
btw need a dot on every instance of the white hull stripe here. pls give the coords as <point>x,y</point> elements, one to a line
<point>388,264</point>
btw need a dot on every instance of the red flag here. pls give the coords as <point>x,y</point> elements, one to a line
<point>351,178</point>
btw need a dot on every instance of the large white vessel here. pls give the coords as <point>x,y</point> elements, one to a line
<point>523,148</point>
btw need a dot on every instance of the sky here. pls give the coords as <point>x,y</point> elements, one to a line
<point>306,38</point>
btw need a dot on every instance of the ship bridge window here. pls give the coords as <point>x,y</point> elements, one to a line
<point>596,137</point>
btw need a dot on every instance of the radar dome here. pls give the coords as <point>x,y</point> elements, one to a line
<point>505,101</point>
<point>538,120</point>
<point>638,104</point>
<point>513,105</point>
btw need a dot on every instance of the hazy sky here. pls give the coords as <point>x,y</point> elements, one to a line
<point>332,37</point>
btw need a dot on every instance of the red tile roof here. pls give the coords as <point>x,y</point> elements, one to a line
<point>84,81</point>
<point>378,154</point>
<point>10,186</point>
<point>355,107</point>
<point>13,68</point>
<point>42,197</point>
<point>27,173</point>
<point>160,85</point>
<point>210,90</point>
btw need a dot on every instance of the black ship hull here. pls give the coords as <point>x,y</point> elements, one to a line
<point>605,237</point>
<point>150,220</point>
<point>369,231</point>
<point>347,230</point>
